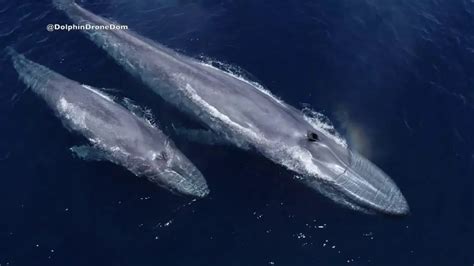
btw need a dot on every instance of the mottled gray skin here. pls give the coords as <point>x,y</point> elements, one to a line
<point>116,133</point>
<point>248,116</point>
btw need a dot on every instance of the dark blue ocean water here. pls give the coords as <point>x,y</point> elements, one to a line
<point>395,77</point>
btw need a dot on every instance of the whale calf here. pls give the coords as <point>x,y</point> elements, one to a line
<point>247,115</point>
<point>115,133</point>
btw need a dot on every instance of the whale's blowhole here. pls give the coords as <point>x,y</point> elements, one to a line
<point>312,136</point>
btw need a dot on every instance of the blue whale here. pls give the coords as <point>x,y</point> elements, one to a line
<point>245,114</point>
<point>115,133</point>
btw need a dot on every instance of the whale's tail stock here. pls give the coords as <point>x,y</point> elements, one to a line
<point>33,74</point>
<point>10,51</point>
<point>17,59</point>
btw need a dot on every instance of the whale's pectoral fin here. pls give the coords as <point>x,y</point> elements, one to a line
<point>89,153</point>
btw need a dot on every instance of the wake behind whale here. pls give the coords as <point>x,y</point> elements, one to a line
<point>115,133</point>
<point>245,114</point>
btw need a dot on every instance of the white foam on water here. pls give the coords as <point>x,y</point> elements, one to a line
<point>118,149</point>
<point>237,74</point>
<point>140,112</point>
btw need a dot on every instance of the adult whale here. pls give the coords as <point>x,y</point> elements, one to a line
<point>248,116</point>
<point>117,134</point>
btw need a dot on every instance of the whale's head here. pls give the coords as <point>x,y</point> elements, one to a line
<point>172,170</point>
<point>343,175</point>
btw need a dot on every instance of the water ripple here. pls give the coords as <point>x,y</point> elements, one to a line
<point>41,16</point>
<point>5,34</point>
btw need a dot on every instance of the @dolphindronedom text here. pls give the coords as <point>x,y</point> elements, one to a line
<point>71,27</point>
